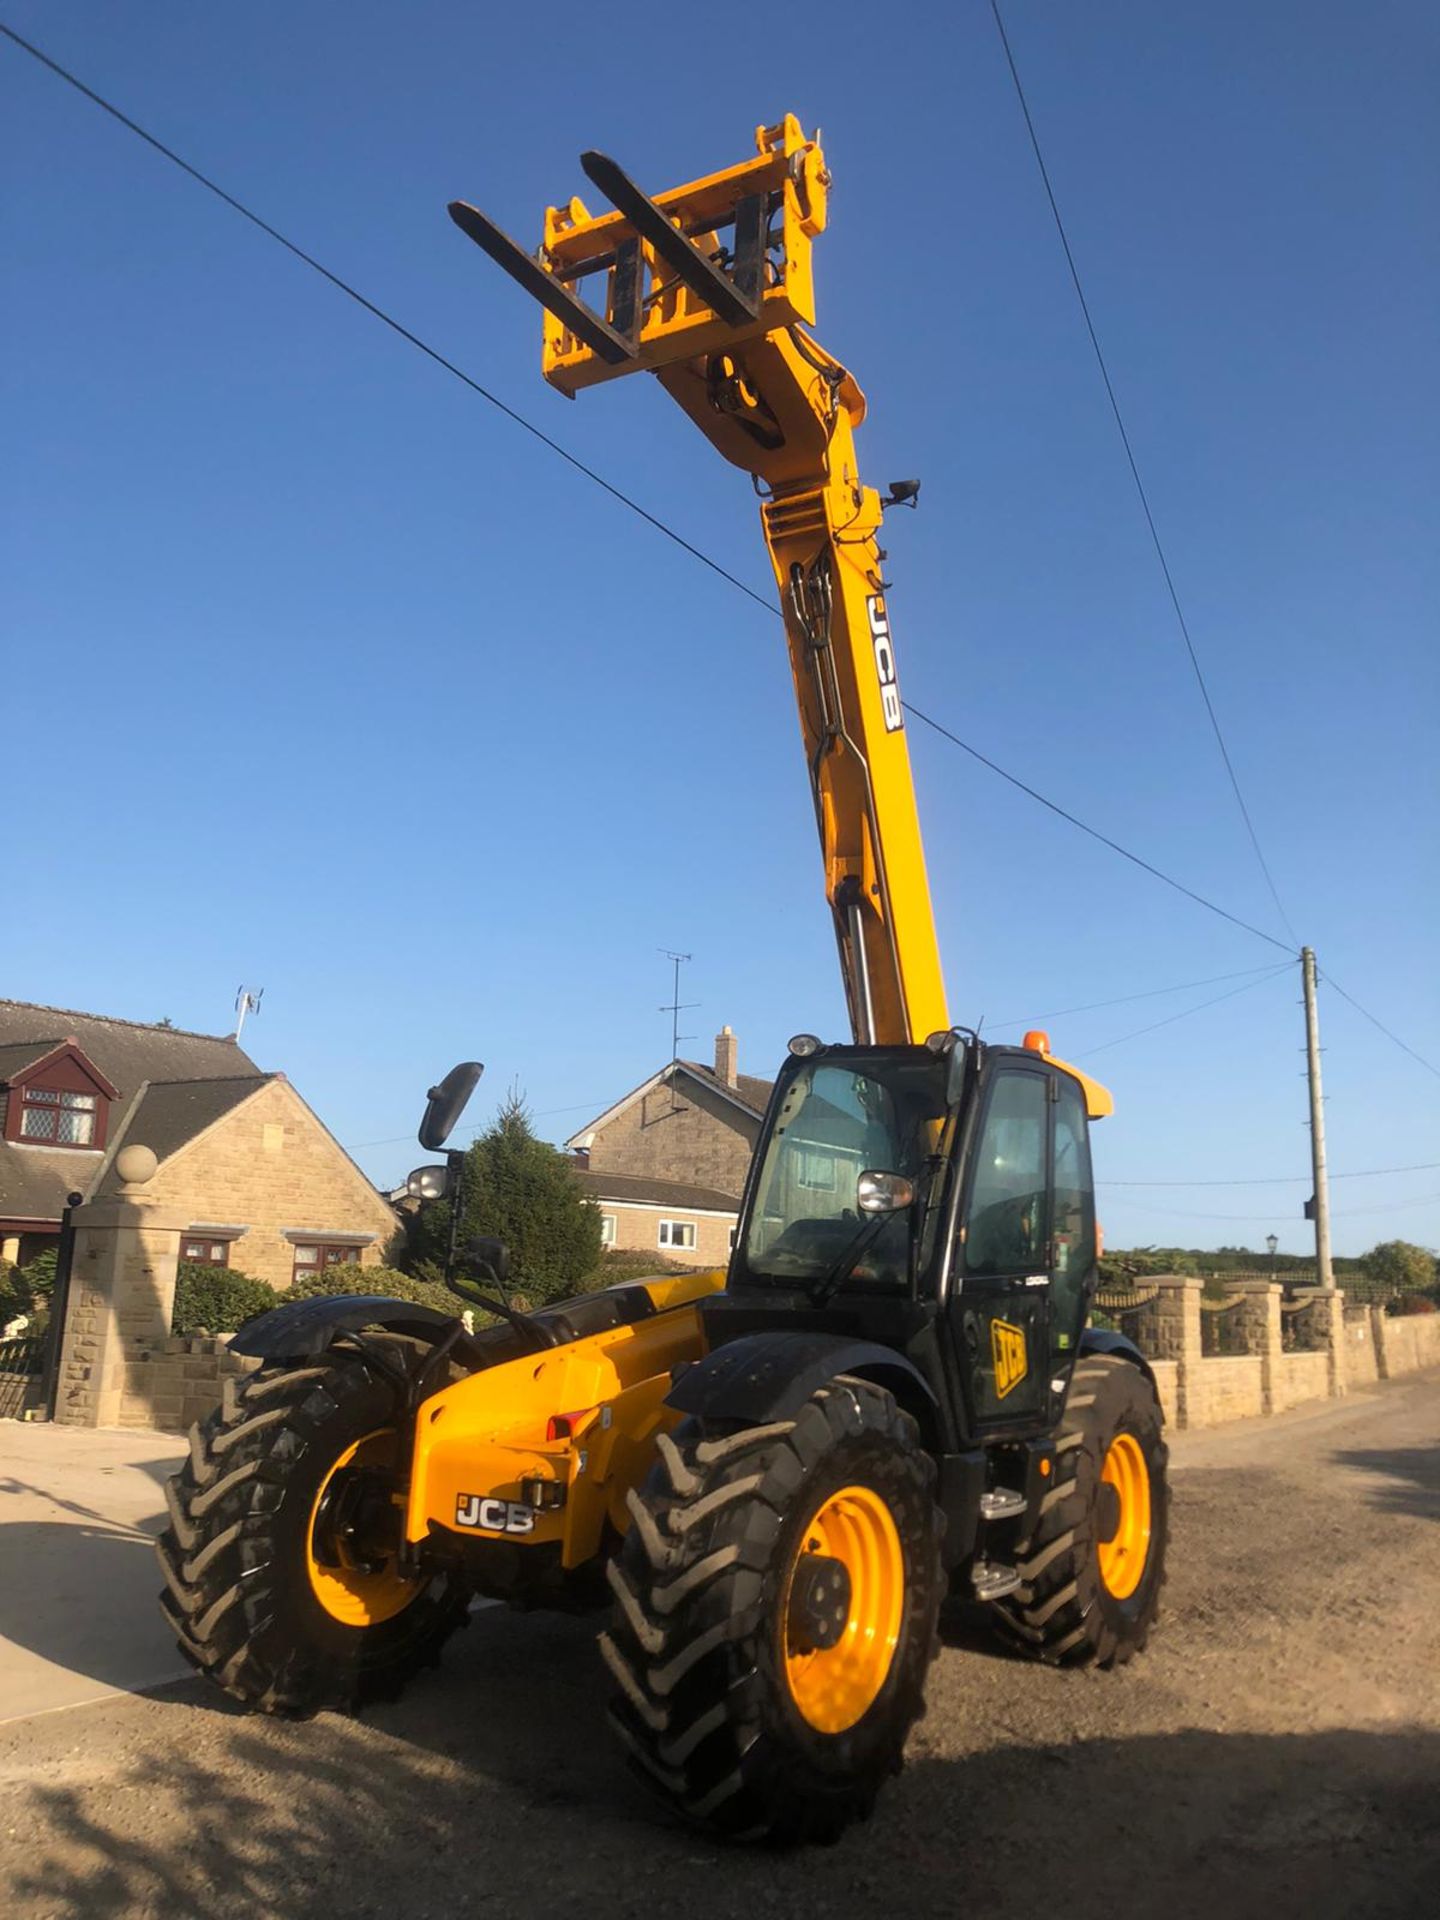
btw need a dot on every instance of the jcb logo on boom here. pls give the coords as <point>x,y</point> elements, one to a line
<point>885,663</point>
<point>493,1516</point>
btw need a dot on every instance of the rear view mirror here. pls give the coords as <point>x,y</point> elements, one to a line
<point>428,1183</point>
<point>447,1102</point>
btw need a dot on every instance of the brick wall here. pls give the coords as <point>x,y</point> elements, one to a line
<point>693,1135</point>
<point>270,1165</point>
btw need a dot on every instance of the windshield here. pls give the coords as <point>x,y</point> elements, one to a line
<point>834,1123</point>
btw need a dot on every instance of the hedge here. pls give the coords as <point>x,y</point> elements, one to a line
<point>217,1299</point>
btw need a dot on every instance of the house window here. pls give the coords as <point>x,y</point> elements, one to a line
<point>313,1256</point>
<point>210,1253</point>
<point>816,1170</point>
<point>677,1233</point>
<point>64,1119</point>
<point>607,1229</point>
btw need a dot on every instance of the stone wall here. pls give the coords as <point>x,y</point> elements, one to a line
<point>1405,1344</point>
<point>637,1230</point>
<point>1357,1346</point>
<point>1298,1377</point>
<point>1330,1348</point>
<point>1226,1387</point>
<point>1167,1383</point>
<point>693,1134</point>
<point>176,1382</point>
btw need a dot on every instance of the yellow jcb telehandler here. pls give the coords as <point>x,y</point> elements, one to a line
<point>773,1475</point>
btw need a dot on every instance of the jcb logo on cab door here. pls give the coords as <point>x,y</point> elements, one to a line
<point>493,1516</point>
<point>1007,1350</point>
<point>885,663</point>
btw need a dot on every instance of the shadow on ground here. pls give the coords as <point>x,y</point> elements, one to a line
<point>492,1789</point>
<point>101,1617</point>
<point>1409,1478</point>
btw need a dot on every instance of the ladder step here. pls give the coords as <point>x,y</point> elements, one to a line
<point>992,1581</point>
<point>1001,1503</point>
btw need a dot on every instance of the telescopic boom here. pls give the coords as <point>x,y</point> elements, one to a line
<point>709,287</point>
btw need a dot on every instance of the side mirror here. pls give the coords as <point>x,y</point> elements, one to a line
<point>489,1257</point>
<point>428,1183</point>
<point>884,1192</point>
<point>446,1104</point>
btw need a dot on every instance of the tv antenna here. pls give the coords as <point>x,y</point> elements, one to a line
<point>675,1008</point>
<point>247,1000</point>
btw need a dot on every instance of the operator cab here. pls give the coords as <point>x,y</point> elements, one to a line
<point>936,1196</point>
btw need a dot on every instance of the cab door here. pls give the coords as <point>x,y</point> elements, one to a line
<point>1074,1250</point>
<point>999,1293</point>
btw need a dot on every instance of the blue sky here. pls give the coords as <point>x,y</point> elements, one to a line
<point>323,677</point>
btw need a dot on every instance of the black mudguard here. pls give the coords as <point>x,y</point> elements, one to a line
<point>1102,1340</point>
<point>304,1327</point>
<point>768,1376</point>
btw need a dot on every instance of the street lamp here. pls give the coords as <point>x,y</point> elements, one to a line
<point>1272,1243</point>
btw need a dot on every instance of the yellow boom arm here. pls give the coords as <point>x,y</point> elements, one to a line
<point>709,287</point>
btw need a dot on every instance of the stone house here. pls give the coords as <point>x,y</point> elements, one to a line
<point>261,1182</point>
<point>667,1162</point>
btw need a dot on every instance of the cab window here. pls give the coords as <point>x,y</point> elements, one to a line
<point>1007,1225</point>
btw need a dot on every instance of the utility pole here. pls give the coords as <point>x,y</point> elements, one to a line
<point>1317,1124</point>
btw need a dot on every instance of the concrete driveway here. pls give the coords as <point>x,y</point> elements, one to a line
<point>78,1578</point>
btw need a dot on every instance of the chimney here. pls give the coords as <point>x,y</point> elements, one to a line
<point>727,1056</point>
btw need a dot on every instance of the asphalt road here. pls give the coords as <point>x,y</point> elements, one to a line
<point>1276,1752</point>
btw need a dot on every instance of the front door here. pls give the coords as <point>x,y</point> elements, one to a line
<point>999,1310</point>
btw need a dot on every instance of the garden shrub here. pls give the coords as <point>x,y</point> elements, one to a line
<point>217,1299</point>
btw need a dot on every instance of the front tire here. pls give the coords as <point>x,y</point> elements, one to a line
<point>1094,1564</point>
<point>265,1589</point>
<point>775,1619</point>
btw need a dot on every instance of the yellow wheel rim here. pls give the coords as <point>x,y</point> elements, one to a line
<point>1122,1558</point>
<point>835,1686</point>
<point>356,1596</point>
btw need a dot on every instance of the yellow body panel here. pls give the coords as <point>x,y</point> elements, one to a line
<point>477,1441</point>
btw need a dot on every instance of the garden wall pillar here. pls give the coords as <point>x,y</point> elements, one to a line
<point>1259,1330</point>
<point>122,1292</point>
<point>1174,1332</point>
<point>1325,1323</point>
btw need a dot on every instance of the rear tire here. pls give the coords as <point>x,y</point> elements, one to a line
<point>744,1722</point>
<point>252,1605</point>
<point>1095,1563</point>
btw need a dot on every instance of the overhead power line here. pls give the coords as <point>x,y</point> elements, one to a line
<point>592,1106</point>
<point>1183,624</point>
<point>1184,1013</point>
<point>1278,1180</point>
<point>1125,999</point>
<point>1403,1045</point>
<point>1094,832</point>
<point>616,493</point>
<point>1349,1213</point>
<point>386,319</point>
